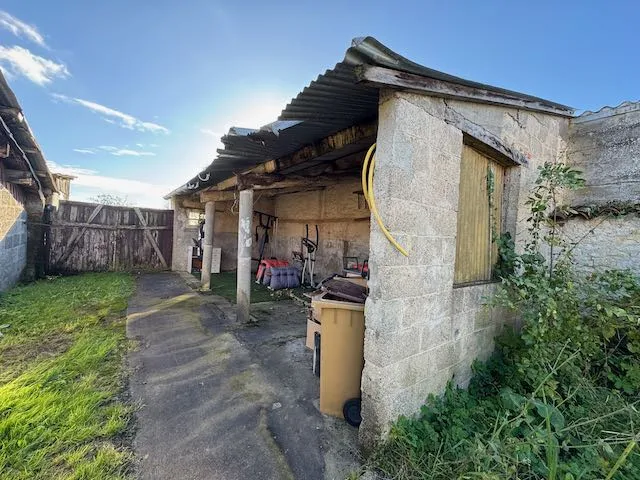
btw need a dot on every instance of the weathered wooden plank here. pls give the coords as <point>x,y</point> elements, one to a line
<point>72,242</point>
<point>111,227</point>
<point>484,141</point>
<point>214,196</point>
<point>150,237</point>
<point>386,77</point>
<point>476,253</point>
<point>114,240</point>
<point>277,181</point>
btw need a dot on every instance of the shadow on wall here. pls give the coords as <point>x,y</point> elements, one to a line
<point>13,239</point>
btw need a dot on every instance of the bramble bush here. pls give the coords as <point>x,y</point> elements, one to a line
<point>559,399</point>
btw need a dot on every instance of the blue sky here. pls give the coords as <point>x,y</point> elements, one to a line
<point>132,96</point>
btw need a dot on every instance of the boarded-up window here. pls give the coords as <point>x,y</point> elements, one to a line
<point>479,217</point>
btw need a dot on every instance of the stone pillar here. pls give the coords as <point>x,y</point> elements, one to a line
<point>207,245</point>
<point>409,348</point>
<point>245,240</point>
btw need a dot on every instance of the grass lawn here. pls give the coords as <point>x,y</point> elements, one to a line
<point>224,284</point>
<point>62,408</point>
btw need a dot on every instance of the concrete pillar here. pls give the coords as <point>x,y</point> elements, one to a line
<point>245,240</point>
<point>207,245</point>
<point>35,267</point>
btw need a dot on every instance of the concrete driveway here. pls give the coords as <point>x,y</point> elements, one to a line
<point>227,401</point>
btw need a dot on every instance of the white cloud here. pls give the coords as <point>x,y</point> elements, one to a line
<point>132,153</point>
<point>20,28</point>
<point>20,61</point>
<point>88,183</point>
<point>111,115</point>
<point>118,152</point>
<point>208,131</point>
<point>121,152</point>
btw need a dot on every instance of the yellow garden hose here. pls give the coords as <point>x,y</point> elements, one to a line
<point>367,189</point>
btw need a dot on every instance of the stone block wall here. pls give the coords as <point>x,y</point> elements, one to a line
<point>342,217</point>
<point>422,332</point>
<point>225,235</point>
<point>605,146</point>
<point>605,243</point>
<point>13,235</point>
<point>183,234</point>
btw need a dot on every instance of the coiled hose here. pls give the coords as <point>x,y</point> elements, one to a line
<point>367,189</point>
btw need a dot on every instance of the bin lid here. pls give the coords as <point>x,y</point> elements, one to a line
<point>345,290</point>
<point>322,302</point>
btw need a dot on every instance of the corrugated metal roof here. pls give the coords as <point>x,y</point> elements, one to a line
<point>332,102</point>
<point>12,116</point>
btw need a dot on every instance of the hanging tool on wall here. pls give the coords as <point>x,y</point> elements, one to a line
<point>265,222</point>
<point>367,188</point>
<point>309,249</point>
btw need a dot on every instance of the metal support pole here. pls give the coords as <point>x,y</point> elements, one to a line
<point>245,240</point>
<point>207,245</point>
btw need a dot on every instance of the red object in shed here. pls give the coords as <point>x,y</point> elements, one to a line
<point>264,269</point>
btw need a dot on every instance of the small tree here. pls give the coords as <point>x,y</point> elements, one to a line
<point>112,200</point>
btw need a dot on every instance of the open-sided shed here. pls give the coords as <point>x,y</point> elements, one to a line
<point>454,163</point>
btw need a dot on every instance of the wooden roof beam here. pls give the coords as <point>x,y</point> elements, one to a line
<point>276,181</point>
<point>388,78</point>
<point>216,196</point>
<point>337,141</point>
<point>16,176</point>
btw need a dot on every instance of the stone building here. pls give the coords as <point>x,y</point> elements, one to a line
<point>438,140</point>
<point>26,186</point>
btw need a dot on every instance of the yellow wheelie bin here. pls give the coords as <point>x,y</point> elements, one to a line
<point>341,358</point>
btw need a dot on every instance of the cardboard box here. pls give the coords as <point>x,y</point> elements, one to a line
<point>312,328</point>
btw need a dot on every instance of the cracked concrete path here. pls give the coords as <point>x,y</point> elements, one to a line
<point>222,401</point>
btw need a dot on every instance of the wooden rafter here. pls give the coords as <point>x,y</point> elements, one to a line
<point>385,77</point>
<point>344,138</point>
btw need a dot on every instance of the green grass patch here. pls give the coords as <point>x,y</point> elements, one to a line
<point>225,283</point>
<point>62,409</point>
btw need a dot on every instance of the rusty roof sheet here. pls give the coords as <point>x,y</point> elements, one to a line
<point>332,102</point>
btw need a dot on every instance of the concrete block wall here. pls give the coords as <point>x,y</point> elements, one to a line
<point>182,235</point>
<point>343,222</point>
<point>13,235</point>
<point>605,243</point>
<point>422,332</point>
<point>605,146</point>
<point>225,235</point>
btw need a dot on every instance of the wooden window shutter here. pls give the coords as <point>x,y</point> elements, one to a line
<point>476,252</point>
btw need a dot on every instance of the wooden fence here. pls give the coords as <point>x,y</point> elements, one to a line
<point>85,237</point>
